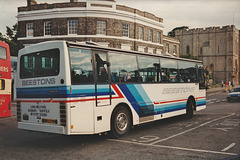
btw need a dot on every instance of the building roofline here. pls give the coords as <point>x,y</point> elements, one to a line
<point>45,6</point>
<point>171,39</point>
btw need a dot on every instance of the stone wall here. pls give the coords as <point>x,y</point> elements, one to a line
<point>216,47</point>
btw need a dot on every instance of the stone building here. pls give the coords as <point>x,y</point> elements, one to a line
<point>217,47</point>
<point>101,21</point>
<point>171,46</point>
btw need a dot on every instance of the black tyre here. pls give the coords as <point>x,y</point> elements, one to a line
<point>121,122</point>
<point>190,108</point>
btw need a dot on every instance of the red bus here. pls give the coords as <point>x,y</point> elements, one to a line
<point>5,80</point>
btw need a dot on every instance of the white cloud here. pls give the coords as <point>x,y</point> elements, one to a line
<point>192,13</point>
<point>8,13</point>
<point>8,10</point>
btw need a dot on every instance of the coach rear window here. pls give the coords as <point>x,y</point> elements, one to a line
<point>40,64</point>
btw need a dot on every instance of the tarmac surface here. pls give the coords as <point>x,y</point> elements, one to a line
<point>212,134</point>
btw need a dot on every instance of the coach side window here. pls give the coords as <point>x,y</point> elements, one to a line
<point>201,79</point>
<point>123,68</point>
<point>149,69</point>
<point>187,71</point>
<point>200,73</point>
<point>81,66</point>
<point>169,70</point>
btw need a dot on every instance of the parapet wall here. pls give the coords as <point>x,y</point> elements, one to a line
<point>44,6</point>
<point>51,6</point>
<point>171,39</point>
<point>205,30</point>
<point>141,13</point>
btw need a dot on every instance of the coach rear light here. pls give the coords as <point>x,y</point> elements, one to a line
<point>63,120</point>
<point>18,111</point>
<point>63,116</point>
<point>63,113</point>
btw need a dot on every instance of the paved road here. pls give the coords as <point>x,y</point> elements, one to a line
<point>216,97</point>
<point>213,133</point>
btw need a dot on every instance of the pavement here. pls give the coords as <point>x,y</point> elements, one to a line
<point>216,89</point>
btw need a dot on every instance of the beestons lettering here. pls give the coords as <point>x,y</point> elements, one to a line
<point>178,90</point>
<point>38,82</point>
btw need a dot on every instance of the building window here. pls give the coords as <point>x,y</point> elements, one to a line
<point>125,27</point>
<point>150,35</point>
<point>174,50</point>
<point>48,28</point>
<point>72,26</point>
<point>101,27</point>
<point>200,51</point>
<point>159,37</point>
<point>29,29</point>
<point>187,49</point>
<point>167,48</point>
<point>141,33</point>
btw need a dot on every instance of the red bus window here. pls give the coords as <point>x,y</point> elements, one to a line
<point>3,53</point>
<point>2,84</point>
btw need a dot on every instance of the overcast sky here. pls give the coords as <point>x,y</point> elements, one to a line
<point>175,13</point>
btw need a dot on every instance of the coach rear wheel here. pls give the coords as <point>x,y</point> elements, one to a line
<point>121,122</point>
<point>190,108</point>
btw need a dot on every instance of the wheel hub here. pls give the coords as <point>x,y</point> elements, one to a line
<point>122,121</point>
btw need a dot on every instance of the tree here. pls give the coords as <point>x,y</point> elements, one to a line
<point>9,32</point>
<point>3,37</point>
<point>11,39</point>
<point>172,32</point>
